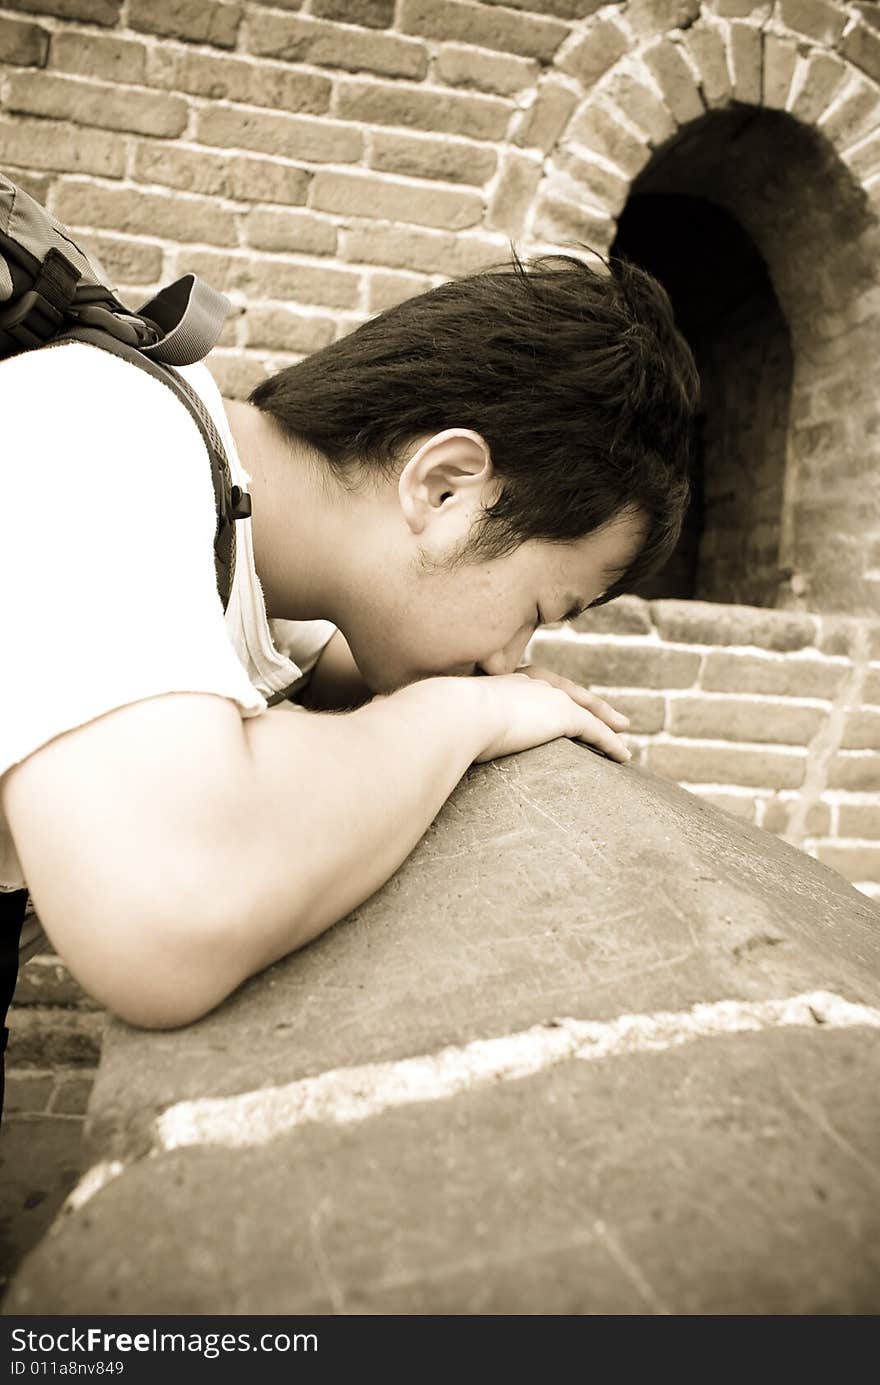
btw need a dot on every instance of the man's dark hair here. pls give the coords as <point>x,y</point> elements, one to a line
<point>578,380</point>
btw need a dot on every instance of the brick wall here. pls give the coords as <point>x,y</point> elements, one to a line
<point>772,715</point>
<point>321,160</point>
<point>54,1044</point>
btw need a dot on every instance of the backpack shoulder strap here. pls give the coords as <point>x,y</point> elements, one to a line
<point>231,502</point>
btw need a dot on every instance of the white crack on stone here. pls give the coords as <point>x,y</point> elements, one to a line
<point>347,1095</point>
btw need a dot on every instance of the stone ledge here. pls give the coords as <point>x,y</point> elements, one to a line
<point>555,895</point>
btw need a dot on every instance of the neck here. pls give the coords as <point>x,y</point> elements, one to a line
<point>298,519</point>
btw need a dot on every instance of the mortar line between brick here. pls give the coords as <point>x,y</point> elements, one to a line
<point>826,743</point>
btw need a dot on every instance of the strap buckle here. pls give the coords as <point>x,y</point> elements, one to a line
<point>38,315</point>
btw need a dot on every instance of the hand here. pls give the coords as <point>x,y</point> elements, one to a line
<point>597,705</point>
<point>527,709</point>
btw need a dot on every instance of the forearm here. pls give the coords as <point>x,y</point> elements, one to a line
<point>338,802</point>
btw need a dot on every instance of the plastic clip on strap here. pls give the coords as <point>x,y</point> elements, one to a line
<point>36,317</point>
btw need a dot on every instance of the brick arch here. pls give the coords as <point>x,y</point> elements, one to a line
<point>622,88</point>
<point>785,135</point>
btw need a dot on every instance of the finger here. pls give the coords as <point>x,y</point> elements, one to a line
<point>597,733</point>
<point>599,707</point>
<point>579,694</point>
<point>593,703</point>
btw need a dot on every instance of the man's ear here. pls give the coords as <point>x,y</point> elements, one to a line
<point>447,472</point>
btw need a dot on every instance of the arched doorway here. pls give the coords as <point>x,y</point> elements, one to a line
<point>725,305</point>
<point>771,253</point>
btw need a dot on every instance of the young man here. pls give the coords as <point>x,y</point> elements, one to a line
<point>499,452</point>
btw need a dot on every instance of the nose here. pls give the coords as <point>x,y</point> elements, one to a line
<point>509,658</point>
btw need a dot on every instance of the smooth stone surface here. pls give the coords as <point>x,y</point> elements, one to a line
<point>735,1173</point>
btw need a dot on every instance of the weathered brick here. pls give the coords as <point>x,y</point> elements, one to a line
<point>601,187</point>
<point>822,80</point>
<point>197,21</point>
<point>91,11</point>
<point>815,18</point>
<point>743,9</point>
<point>71,1097</point>
<point>778,812</point>
<point>852,862</point>
<point>449,21</point>
<point>290,231</point>
<point>43,1038</point>
<point>225,78</point>
<point>746,61</point>
<point>92,55</point>
<point>865,160</point>
<point>126,261</point>
<point>862,730</point>
<point>739,719</point>
<point>558,220</point>
<point>26,45</point>
<point>616,665</point>
<point>780,59</point>
<point>839,635</point>
<point>856,770</point>
<point>514,193</point>
<point>297,39</point>
<point>27,1092</point>
<point>871,692</point>
<point>852,115</point>
<point>649,17</point>
<point>859,820</point>
<point>424,156</point>
<point>490,72</point>
<point>422,108</point>
<point>706,622</point>
<point>290,136</point>
<point>641,106</point>
<point>782,677</point>
<point>428,252</point>
<point>709,764</point>
<point>36,185</point>
<point>235,176</point>
<point>359,194</point>
<point>94,103</point>
<point>372,14</point>
<point>62,146</point>
<point>598,131</point>
<point>743,806</point>
<point>706,48</point>
<point>284,329</point>
<point>564,9</point>
<point>626,615</point>
<point>546,118</point>
<point>326,286</point>
<point>603,44</point>
<point>385,289</point>
<point>646,712</point>
<point>236,373</point>
<point>144,213</point>
<point>676,80</point>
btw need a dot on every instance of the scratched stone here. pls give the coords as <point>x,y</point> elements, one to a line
<point>736,1173</point>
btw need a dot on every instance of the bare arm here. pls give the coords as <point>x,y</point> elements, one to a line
<point>173,850</point>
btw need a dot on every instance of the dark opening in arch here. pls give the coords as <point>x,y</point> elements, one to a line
<point>725,306</point>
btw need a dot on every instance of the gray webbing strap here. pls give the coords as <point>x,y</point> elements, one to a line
<point>190,315</point>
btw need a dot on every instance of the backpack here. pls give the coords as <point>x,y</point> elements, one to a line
<point>51,291</point>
